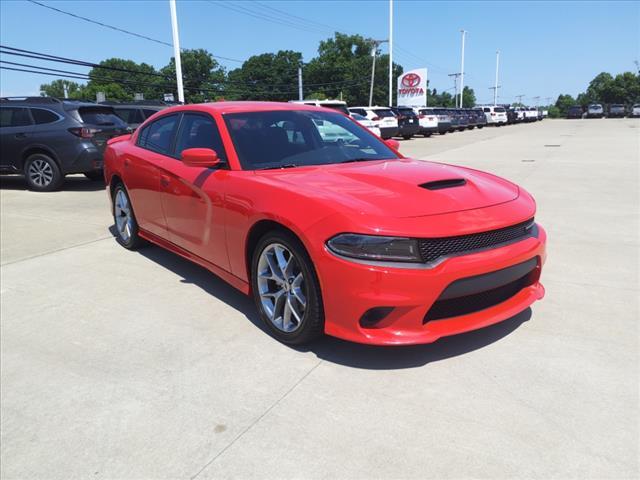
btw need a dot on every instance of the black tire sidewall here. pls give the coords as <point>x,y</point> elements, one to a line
<point>56,181</point>
<point>313,319</point>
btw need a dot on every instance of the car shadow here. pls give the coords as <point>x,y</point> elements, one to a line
<point>71,184</point>
<point>331,349</point>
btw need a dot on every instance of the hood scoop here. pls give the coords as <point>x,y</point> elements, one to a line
<point>442,184</point>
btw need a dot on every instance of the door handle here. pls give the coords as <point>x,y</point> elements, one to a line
<point>164,180</point>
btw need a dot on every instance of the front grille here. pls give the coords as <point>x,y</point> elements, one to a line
<point>454,307</point>
<point>432,249</point>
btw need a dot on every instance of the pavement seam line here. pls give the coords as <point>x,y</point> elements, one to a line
<point>56,251</point>
<point>251,425</point>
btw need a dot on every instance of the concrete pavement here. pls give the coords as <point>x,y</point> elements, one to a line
<point>117,364</point>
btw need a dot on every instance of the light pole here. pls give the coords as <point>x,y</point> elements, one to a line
<point>455,86</point>
<point>300,95</point>
<point>495,88</point>
<point>176,49</point>
<point>374,50</point>
<point>390,53</point>
<point>520,97</point>
<point>464,34</point>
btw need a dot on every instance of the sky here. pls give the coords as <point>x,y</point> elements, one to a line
<point>546,48</point>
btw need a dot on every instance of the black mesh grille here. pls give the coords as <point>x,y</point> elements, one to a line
<point>433,248</point>
<point>454,307</point>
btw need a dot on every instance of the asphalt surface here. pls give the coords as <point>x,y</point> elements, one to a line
<point>117,364</point>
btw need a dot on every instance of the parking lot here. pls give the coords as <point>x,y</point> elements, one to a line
<point>119,364</point>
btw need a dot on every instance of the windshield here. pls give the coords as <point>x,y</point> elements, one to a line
<point>100,116</point>
<point>383,112</point>
<point>290,138</point>
<point>336,106</point>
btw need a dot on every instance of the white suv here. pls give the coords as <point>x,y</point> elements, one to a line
<point>428,121</point>
<point>635,110</point>
<point>495,115</point>
<point>333,104</point>
<point>383,117</point>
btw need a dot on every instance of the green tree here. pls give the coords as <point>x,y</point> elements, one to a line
<point>600,88</point>
<point>118,80</point>
<point>468,97</point>
<point>267,76</point>
<point>563,103</point>
<point>202,76</point>
<point>343,66</point>
<point>56,89</point>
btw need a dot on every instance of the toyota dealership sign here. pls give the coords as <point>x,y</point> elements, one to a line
<point>412,88</point>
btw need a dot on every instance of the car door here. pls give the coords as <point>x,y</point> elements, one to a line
<point>16,127</point>
<point>193,197</point>
<point>142,172</point>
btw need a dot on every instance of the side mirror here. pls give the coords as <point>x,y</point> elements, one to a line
<point>391,143</point>
<point>200,157</point>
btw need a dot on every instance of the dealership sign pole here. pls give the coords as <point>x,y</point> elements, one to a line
<point>390,53</point>
<point>412,88</point>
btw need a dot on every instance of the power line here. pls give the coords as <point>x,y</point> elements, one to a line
<point>118,29</point>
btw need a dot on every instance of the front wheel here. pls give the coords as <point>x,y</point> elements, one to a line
<point>286,290</point>
<point>407,137</point>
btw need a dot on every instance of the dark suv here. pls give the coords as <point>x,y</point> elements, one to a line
<point>617,110</point>
<point>134,113</point>
<point>46,138</point>
<point>575,111</point>
<point>408,122</point>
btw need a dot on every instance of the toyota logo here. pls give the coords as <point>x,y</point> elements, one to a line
<point>411,80</point>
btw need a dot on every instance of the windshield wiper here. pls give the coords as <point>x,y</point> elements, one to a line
<point>278,167</point>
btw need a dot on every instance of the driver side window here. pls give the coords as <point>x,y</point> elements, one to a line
<point>199,131</point>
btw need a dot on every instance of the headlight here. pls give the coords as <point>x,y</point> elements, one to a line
<point>372,247</point>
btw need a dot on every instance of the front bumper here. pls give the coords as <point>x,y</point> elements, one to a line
<point>351,289</point>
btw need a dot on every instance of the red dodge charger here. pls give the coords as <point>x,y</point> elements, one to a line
<point>327,226</point>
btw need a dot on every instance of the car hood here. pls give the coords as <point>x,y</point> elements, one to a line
<point>397,188</point>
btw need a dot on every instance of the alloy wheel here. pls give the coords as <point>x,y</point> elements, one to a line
<point>281,287</point>
<point>40,173</point>
<point>123,217</point>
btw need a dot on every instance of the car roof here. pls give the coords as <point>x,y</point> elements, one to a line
<point>243,107</point>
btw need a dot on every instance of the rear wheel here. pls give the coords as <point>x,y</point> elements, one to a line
<point>125,220</point>
<point>407,137</point>
<point>42,173</point>
<point>286,290</point>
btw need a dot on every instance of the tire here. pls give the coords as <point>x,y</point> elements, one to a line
<point>42,173</point>
<point>407,137</point>
<point>95,175</point>
<point>426,135</point>
<point>480,127</point>
<point>305,321</point>
<point>125,220</point>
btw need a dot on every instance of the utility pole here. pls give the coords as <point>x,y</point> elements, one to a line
<point>390,53</point>
<point>537,100</point>
<point>455,86</point>
<point>464,34</point>
<point>496,86</point>
<point>548,101</point>
<point>176,49</point>
<point>520,97</point>
<point>374,51</point>
<point>300,95</point>
<point>65,87</point>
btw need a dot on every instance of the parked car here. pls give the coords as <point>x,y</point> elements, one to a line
<point>134,113</point>
<point>384,118</point>
<point>480,118</point>
<point>531,114</point>
<point>355,240</point>
<point>495,115</point>
<point>45,139</point>
<point>444,120</point>
<point>617,110</point>
<point>457,122</point>
<point>338,105</point>
<point>635,110</point>
<point>575,111</point>
<point>595,110</point>
<point>365,122</point>
<point>408,122</point>
<point>521,114</point>
<point>512,116</point>
<point>428,121</point>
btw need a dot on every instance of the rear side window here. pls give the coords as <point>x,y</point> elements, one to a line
<point>359,111</point>
<point>499,109</point>
<point>129,115</point>
<point>41,116</point>
<point>486,109</point>
<point>158,135</point>
<point>14,117</point>
<point>99,116</point>
<point>199,131</point>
